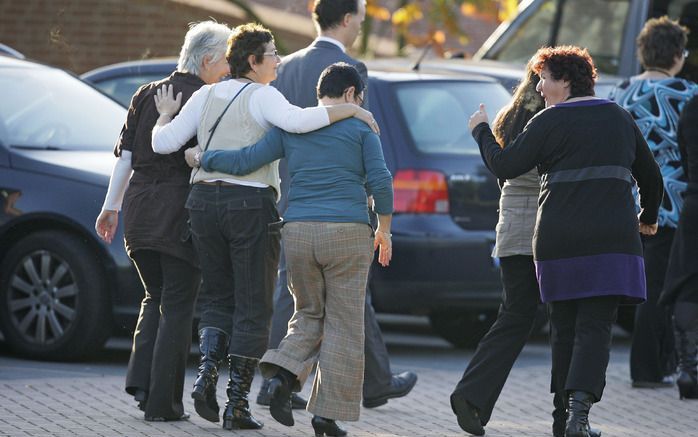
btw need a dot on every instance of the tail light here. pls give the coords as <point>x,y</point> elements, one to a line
<point>420,191</point>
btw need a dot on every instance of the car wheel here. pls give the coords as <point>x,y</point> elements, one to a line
<point>463,329</point>
<point>53,298</point>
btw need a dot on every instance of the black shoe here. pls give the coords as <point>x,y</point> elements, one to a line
<point>400,385</point>
<point>280,401</point>
<point>327,427</point>
<point>688,386</point>
<point>213,344</point>
<point>468,417</point>
<point>141,396</point>
<point>263,398</point>
<point>237,414</point>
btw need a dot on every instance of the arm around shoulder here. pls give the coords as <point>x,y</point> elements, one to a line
<point>248,159</point>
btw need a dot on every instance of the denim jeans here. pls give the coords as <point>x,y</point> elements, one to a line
<point>236,232</point>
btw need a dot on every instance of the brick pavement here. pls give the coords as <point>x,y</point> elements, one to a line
<point>87,399</point>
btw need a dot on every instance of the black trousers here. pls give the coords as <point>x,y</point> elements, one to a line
<point>652,353</point>
<point>236,232</point>
<point>484,378</point>
<point>162,338</point>
<point>580,336</point>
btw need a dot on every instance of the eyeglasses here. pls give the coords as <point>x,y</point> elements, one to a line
<point>685,53</point>
<point>275,54</point>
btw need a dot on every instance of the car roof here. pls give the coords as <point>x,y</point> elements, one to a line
<point>160,65</point>
<point>13,62</point>
<point>412,76</point>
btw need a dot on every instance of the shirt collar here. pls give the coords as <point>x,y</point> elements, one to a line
<point>333,41</point>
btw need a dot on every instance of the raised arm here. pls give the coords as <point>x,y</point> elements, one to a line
<point>169,135</point>
<point>248,159</point>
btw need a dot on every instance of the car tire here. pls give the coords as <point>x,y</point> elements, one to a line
<point>463,329</point>
<point>54,302</point>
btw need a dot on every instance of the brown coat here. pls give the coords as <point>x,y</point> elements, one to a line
<point>153,212</point>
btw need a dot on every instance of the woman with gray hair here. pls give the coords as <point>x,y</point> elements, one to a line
<point>153,189</point>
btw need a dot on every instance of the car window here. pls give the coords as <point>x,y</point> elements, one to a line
<point>597,25</point>
<point>123,88</point>
<point>48,108</point>
<point>532,34</point>
<point>436,113</point>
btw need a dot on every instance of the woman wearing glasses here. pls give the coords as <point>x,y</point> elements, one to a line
<point>234,221</point>
<point>655,99</point>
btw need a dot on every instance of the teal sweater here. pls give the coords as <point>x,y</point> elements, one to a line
<point>332,170</point>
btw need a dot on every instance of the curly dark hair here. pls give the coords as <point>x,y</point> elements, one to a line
<point>568,63</point>
<point>246,39</point>
<point>525,103</point>
<point>329,13</point>
<point>660,42</point>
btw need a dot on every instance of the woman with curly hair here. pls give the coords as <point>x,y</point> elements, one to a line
<point>655,99</point>
<point>586,244</point>
<point>234,221</point>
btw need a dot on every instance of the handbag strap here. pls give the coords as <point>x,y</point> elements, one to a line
<point>218,120</point>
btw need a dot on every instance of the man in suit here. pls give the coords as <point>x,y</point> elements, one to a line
<point>338,23</point>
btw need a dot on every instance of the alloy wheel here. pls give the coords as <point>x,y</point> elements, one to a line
<point>42,297</point>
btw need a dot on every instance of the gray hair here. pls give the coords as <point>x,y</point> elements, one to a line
<point>207,38</point>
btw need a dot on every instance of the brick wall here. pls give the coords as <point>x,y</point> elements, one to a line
<point>80,35</point>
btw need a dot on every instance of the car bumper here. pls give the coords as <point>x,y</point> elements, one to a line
<point>436,265</point>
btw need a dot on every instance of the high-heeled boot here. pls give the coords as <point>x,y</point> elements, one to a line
<point>237,413</point>
<point>326,427</point>
<point>280,386</point>
<point>687,380</point>
<point>579,403</point>
<point>560,418</point>
<point>213,345</point>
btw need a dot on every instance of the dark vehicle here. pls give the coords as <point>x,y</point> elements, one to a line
<point>61,290</point>
<point>445,199</point>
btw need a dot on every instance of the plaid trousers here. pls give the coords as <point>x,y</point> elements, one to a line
<point>328,267</point>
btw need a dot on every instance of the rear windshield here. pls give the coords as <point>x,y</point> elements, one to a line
<point>46,108</point>
<point>436,113</point>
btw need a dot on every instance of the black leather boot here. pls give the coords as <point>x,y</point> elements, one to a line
<point>237,413</point>
<point>213,345</point>
<point>264,398</point>
<point>326,427</point>
<point>560,418</point>
<point>579,403</point>
<point>687,380</point>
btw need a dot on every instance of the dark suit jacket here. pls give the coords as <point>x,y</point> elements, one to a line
<point>297,78</point>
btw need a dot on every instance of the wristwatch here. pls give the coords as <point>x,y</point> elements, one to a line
<point>197,158</point>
